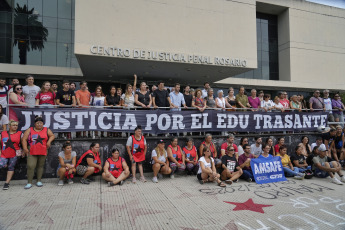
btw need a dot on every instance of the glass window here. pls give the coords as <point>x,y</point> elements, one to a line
<point>64,54</point>
<point>37,6</point>
<point>64,36</point>
<point>52,35</point>
<point>65,9</point>
<point>50,22</point>
<point>50,8</point>
<point>34,57</point>
<point>49,54</point>
<point>64,23</point>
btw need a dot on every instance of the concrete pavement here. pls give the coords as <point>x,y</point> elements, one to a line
<point>180,203</point>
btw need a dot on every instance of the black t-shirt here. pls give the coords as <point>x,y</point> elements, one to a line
<point>230,162</point>
<point>188,99</point>
<point>144,98</point>
<point>113,100</point>
<point>84,161</point>
<point>65,97</point>
<point>338,141</point>
<point>328,137</point>
<point>161,98</point>
<point>299,158</point>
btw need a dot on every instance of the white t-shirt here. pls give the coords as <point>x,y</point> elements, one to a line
<point>30,93</point>
<point>207,165</point>
<point>204,93</point>
<point>97,101</point>
<point>328,104</point>
<point>129,101</point>
<point>3,121</point>
<point>160,158</point>
<point>279,105</point>
<point>255,150</point>
<point>220,102</point>
<point>267,104</point>
<point>240,150</point>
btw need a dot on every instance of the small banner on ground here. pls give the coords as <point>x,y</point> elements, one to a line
<point>167,121</point>
<point>267,170</point>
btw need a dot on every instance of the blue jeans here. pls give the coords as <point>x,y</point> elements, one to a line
<point>247,174</point>
<point>289,173</point>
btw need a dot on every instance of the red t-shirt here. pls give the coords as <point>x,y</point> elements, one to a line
<point>225,145</point>
<point>46,98</point>
<point>285,103</point>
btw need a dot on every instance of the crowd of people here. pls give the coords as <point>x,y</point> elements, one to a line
<point>324,158</point>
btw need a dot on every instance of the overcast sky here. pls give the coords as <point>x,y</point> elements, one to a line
<point>336,3</point>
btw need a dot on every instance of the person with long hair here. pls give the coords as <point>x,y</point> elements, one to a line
<point>269,141</point>
<point>209,144</point>
<point>231,169</point>
<point>243,141</point>
<point>46,95</point>
<point>113,100</point>
<point>339,108</point>
<point>267,104</point>
<point>231,98</point>
<point>295,104</point>
<point>280,142</point>
<point>306,149</point>
<point>143,97</point>
<point>115,169</point>
<point>136,148</point>
<point>289,170</point>
<point>265,151</point>
<point>191,155</point>
<point>127,99</point>
<point>39,139</point>
<point>10,150</point>
<point>298,160</point>
<point>3,120</point>
<point>89,163</point>
<point>277,106</point>
<point>199,102</point>
<point>67,164</point>
<point>160,161</point>
<point>176,157</point>
<point>98,101</point>
<point>207,171</point>
<point>338,144</point>
<point>16,98</point>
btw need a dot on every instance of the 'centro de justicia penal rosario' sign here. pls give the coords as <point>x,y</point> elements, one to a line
<point>153,55</point>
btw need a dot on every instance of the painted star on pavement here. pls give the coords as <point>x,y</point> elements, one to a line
<point>9,144</point>
<point>249,205</point>
<point>39,139</point>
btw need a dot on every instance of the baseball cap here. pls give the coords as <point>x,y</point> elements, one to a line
<point>160,141</point>
<point>322,148</point>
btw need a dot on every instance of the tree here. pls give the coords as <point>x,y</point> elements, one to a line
<point>29,33</point>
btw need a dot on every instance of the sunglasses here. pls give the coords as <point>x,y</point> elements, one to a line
<point>19,88</point>
<point>231,149</point>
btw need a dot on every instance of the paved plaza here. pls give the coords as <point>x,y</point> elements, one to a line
<point>180,203</point>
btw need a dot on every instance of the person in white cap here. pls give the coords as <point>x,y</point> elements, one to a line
<point>324,167</point>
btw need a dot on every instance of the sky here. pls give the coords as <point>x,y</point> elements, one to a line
<point>336,3</point>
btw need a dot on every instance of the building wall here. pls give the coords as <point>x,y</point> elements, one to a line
<point>200,27</point>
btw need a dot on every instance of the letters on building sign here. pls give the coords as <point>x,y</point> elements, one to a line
<point>166,56</point>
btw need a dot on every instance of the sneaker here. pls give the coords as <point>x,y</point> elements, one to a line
<point>201,181</point>
<point>84,181</point>
<point>172,176</point>
<point>249,179</point>
<point>134,180</point>
<point>121,182</point>
<point>143,179</point>
<point>27,186</point>
<point>6,186</point>
<point>39,184</point>
<point>235,181</point>
<point>336,181</point>
<point>301,175</point>
<point>69,181</point>
<point>160,176</point>
<point>229,181</point>
<point>110,184</point>
<point>60,183</point>
<point>91,179</point>
<point>155,180</point>
<point>298,177</point>
<point>342,179</point>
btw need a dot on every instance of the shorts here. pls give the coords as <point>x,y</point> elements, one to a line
<point>198,176</point>
<point>320,173</point>
<point>133,161</point>
<point>81,169</point>
<point>10,162</point>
